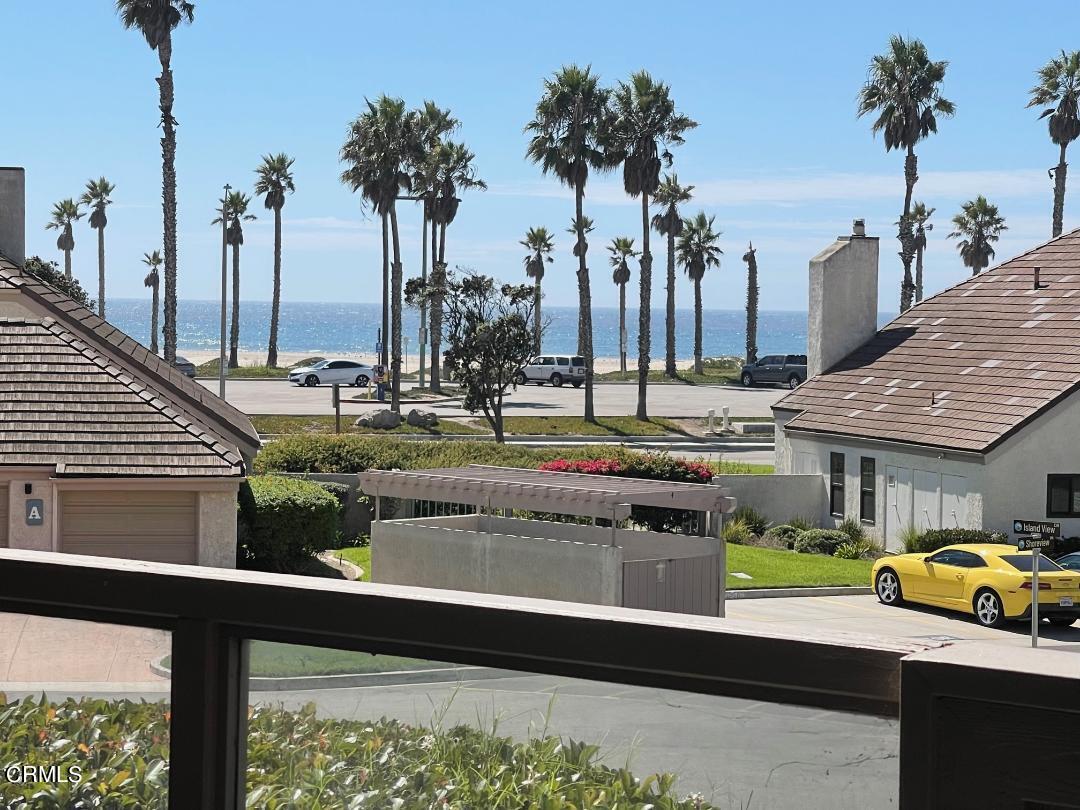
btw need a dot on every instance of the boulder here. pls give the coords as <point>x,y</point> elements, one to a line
<point>380,420</point>
<point>424,419</point>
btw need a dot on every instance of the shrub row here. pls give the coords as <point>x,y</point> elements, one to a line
<point>283,521</point>
<point>934,539</point>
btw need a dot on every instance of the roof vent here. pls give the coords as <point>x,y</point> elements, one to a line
<point>1037,285</point>
<point>858,227</point>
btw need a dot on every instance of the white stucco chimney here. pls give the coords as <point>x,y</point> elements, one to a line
<point>13,214</point>
<point>843,299</point>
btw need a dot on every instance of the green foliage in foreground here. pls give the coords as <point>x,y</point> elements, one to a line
<point>282,522</point>
<point>298,760</point>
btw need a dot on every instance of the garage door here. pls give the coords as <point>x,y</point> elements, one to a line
<point>149,525</point>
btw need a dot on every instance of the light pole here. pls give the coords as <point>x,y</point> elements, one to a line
<point>224,283</point>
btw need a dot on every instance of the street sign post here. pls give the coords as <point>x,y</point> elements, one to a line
<point>1040,535</point>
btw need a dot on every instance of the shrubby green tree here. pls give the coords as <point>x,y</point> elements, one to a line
<point>904,90</point>
<point>50,273</point>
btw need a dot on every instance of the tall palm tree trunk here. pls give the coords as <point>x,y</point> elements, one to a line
<point>1059,190</point>
<point>537,333</point>
<point>918,274</point>
<point>384,338</point>
<point>644,314</point>
<point>422,342</point>
<point>751,308</point>
<point>67,264</point>
<point>438,278</point>
<point>622,327</point>
<point>584,305</point>
<point>697,327</point>
<point>669,354</point>
<point>156,299</point>
<point>395,316</point>
<point>438,305</point>
<point>906,234</point>
<point>275,307</point>
<point>101,272</point>
<point>234,326</point>
<point>168,191</point>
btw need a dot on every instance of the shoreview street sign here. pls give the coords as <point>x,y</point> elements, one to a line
<point>1043,527</point>
<point>1031,543</point>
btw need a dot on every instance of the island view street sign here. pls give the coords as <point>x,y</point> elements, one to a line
<point>1041,527</point>
<point>1032,543</point>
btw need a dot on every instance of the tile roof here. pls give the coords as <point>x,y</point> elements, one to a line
<point>65,404</point>
<point>964,369</point>
<point>153,372</point>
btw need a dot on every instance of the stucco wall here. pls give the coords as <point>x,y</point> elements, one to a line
<point>843,294</point>
<point>779,497</point>
<point>451,553</point>
<point>217,528</point>
<point>20,535</point>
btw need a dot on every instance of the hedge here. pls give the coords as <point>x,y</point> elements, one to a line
<point>297,759</point>
<point>933,539</point>
<point>282,522</point>
<point>820,541</point>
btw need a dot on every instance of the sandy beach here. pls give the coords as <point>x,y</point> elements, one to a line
<point>411,361</point>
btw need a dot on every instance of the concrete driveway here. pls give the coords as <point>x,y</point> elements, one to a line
<point>611,399</point>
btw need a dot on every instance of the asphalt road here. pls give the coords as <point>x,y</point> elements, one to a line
<point>611,399</point>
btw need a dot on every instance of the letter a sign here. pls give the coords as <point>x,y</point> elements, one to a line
<point>35,511</point>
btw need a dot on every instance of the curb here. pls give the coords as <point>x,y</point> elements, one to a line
<point>302,683</point>
<point>777,593</point>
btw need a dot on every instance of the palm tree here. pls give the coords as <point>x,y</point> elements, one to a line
<point>904,89</point>
<point>381,146</point>
<point>668,196</point>
<point>432,123</point>
<point>621,249</point>
<point>454,173</point>
<point>64,213</point>
<point>567,141</point>
<point>97,197</point>
<point>275,179</point>
<point>697,252</point>
<point>920,215</point>
<point>540,243</point>
<point>234,210</point>
<point>980,225</point>
<point>645,125</point>
<point>156,20</point>
<point>750,257</point>
<point>153,281</point>
<point>1058,92</point>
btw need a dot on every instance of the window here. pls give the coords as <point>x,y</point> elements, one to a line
<point>836,484</point>
<point>562,361</point>
<point>577,362</point>
<point>1063,496</point>
<point>545,361</point>
<point>1022,562</point>
<point>961,559</point>
<point>867,491</point>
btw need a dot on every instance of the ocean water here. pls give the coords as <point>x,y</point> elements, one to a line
<point>338,328</point>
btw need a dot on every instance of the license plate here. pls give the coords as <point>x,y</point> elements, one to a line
<point>1065,601</point>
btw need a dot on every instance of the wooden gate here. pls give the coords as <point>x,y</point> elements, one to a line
<point>680,585</point>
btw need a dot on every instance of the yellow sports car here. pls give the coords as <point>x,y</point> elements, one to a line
<point>990,581</point>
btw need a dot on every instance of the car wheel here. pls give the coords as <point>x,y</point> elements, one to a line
<point>1062,621</point>
<point>576,384</point>
<point>311,381</point>
<point>520,379</point>
<point>556,380</point>
<point>888,587</point>
<point>793,382</point>
<point>362,380</point>
<point>988,609</point>
<point>747,379</point>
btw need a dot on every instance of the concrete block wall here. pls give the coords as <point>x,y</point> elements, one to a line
<point>779,497</point>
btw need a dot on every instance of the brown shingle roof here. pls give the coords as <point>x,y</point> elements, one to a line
<point>64,404</point>
<point>964,369</point>
<point>155,374</point>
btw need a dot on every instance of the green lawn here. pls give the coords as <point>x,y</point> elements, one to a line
<point>577,426</point>
<point>781,569</point>
<point>275,424</point>
<point>357,555</point>
<point>716,371</point>
<point>740,468</point>
<point>210,369</point>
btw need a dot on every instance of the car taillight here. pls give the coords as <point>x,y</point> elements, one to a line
<point>1043,586</point>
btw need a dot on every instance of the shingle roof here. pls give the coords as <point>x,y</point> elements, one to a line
<point>964,369</point>
<point>64,404</point>
<point>184,394</point>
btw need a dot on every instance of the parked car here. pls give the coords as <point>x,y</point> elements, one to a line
<point>1070,562</point>
<point>184,366</point>
<point>787,369</point>
<point>988,580</point>
<point>328,372</point>
<point>555,369</point>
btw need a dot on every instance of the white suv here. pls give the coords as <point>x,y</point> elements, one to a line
<point>553,369</point>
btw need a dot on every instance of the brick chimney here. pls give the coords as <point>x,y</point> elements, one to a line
<point>843,299</point>
<point>13,214</point>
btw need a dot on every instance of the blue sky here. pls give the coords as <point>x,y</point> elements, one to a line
<point>779,156</point>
